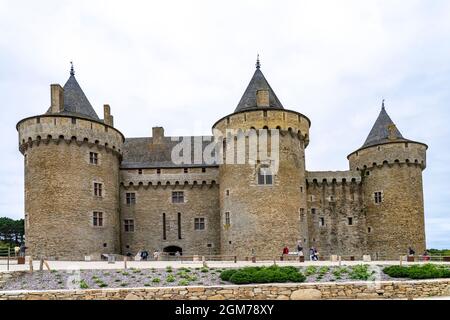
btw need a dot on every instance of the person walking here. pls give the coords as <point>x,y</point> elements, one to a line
<point>299,248</point>
<point>285,250</point>
<point>411,252</point>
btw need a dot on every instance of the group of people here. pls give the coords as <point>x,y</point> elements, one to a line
<point>313,254</point>
<point>143,255</point>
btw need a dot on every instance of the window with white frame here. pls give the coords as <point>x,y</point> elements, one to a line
<point>128,225</point>
<point>130,198</point>
<point>97,219</point>
<point>93,157</point>
<point>227,218</point>
<point>378,196</point>
<point>265,176</point>
<point>177,196</point>
<point>98,189</point>
<point>199,223</point>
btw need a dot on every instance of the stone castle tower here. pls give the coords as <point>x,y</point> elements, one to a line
<point>261,208</point>
<point>391,167</point>
<point>91,191</point>
<point>72,163</point>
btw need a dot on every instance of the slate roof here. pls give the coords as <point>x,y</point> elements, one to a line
<point>384,130</point>
<point>258,82</point>
<point>75,101</point>
<point>143,153</point>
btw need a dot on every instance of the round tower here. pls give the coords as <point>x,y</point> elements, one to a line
<point>71,178</point>
<point>262,194</point>
<point>391,168</point>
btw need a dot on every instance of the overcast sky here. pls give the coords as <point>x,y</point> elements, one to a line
<point>185,64</point>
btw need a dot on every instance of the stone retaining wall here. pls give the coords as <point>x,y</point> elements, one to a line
<point>304,291</point>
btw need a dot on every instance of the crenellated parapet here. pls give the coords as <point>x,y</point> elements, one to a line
<point>45,129</point>
<point>332,177</point>
<point>287,121</point>
<point>134,180</point>
<point>393,153</point>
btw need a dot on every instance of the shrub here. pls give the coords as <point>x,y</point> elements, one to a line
<point>204,270</point>
<point>169,269</point>
<point>426,271</point>
<point>170,278</point>
<point>102,285</point>
<point>310,270</point>
<point>192,278</point>
<point>156,280</point>
<point>226,275</point>
<point>263,275</point>
<point>360,272</point>
<point>83,284</point>
<point>183,282</point>
<point>323,270</point>
<point>146,284</point>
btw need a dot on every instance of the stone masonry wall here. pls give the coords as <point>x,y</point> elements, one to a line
<point>306,291</point>
<point>201,200</point>
<point>335,201</point>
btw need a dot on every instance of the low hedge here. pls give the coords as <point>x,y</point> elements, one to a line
<point>426,271</point>
<point>270,274</point>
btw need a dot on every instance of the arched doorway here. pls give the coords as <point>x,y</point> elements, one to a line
<point>171,250</point>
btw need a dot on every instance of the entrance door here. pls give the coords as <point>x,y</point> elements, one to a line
<point>171,250</point>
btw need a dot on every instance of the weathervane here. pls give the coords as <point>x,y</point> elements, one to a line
<point>258,64</point>
<point>72,72</point>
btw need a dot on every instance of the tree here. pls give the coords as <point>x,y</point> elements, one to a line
<point>11,231</point>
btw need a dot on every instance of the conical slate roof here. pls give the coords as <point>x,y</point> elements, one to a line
<point>384,130</point>
<point>258,82</point>
<point>75,101</point>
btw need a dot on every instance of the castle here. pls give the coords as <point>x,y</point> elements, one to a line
<point>89,190</point>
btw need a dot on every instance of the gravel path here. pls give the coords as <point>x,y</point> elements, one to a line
<point>133,277</point>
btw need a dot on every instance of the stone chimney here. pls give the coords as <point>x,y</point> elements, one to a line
<point>57,98</point>
<point>262,98</point>
<point>158,135</point>
<point>107,117</point>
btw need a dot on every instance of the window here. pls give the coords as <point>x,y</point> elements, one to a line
<point>322,221</point>
<point>302,214</point>
<point>105,245</point>
<point>264,175</point>
<point>179,225</point>
<point>227,192</point>
<point>97,219</point>
<point>331,198</point>
<point>199,223</point>
<point>128,225</point>
<point>140,171</point>
<point>378,197</point>
<point>313,210</point>
<point>158,171</point>
<point>74,120</point>
<point>185,170</point>
<point>350,221</point>
<point>227,219</point>
<point>301,189</point>
<point>97,189</point>
<point>164,227</point>
<point>369,229</point>
<point>38,120</point>
<point>177,197</point>
<point>203,169</point>
<point>93,158</point>
<point>130,198</point>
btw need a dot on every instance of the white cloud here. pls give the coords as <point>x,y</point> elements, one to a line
<point>184,64</point>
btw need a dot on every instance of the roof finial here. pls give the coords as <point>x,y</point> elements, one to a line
<point>258,64</point>
<point>382,104</point>
<point>72,72</point>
